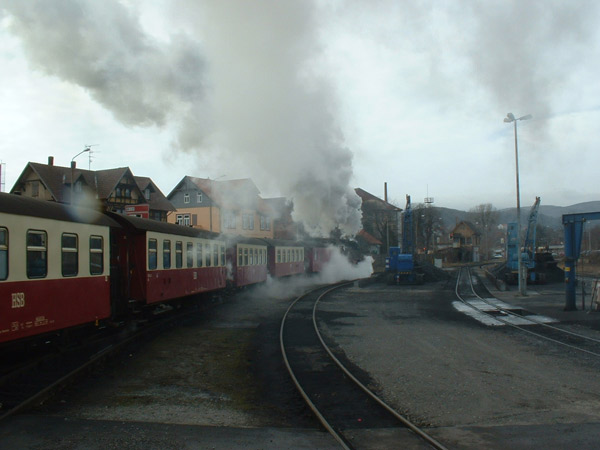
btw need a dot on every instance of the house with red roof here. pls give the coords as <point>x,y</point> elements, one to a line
<point>115,190</point>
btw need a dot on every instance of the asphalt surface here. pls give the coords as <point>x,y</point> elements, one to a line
<point>470,385</point>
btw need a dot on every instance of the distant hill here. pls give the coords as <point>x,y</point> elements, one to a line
<point>548,215</point>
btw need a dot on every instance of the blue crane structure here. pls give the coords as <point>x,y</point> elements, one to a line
<point>528,249</point>
<point>573,227</point>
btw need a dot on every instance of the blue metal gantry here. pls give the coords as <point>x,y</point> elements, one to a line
<point>573,226</point>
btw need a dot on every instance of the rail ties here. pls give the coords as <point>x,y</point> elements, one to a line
<point>490,311</point>
<point>354,417</point>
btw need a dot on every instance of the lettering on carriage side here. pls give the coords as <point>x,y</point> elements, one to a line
<point>18,299</point>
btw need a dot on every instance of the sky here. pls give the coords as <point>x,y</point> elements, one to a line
<point>311,99</point>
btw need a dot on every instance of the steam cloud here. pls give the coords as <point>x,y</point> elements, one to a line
<point>235,82</point>
<point>238,82</point>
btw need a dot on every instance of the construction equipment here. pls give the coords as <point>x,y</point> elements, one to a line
<point>528,249</point>
<point>400,262</point>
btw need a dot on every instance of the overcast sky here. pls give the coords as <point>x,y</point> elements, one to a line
<point>308,98</point>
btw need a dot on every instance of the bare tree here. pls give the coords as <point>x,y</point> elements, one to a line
<point>426,221</point>
<point>485,217</point>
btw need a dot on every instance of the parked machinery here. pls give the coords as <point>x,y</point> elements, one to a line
<point>400,262</point>
<point>528,250</point>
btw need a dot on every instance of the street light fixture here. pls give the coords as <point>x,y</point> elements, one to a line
<point>87,149</point>
<point>521,273</point>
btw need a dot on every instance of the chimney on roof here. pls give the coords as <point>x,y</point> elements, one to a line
<point>73,164</point>
<point>50,160</point>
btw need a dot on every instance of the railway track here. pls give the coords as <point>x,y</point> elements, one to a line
<point>354,415</point>
<point>472,293</point>
<point>31,382</point>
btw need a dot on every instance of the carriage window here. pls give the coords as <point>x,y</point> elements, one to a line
<point>166,254</point>
<point>69,255</point>
<point>178,254</point>
<point>37,254</point>
<point>96,255</point>
<point>222,255</point>
<point>189,254</point>
<point>255,256</point>
<point>199,260</point>
<point>245,256</point>
<point>207,255</point>
<point>152,254</point>
<point>250,257</point>
<point>215,255</point>
<point>278,255</point>
<point>240,256</point>
<point>3,253</point>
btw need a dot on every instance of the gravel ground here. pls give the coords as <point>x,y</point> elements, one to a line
<point>220,383</point>
<point>451,373</point>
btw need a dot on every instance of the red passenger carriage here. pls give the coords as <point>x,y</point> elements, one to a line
<point>54,266</point>
<point>285,258</point>
<point>163,261</point>
<point>248,261</point>
<point>317,257</point>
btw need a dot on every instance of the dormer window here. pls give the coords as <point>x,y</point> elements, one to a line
<point>186,198</point>
<point>147,193</point>
<point>199,197</point>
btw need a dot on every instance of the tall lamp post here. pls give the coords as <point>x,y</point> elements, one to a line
<point>87,149</point>
<point>521,273</point>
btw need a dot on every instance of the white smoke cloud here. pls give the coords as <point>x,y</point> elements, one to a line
<point>235,82</point>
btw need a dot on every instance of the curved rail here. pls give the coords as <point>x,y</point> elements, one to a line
<point>403,420</point>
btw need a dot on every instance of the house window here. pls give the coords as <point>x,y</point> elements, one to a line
<point>69,255</point>
<point>247,221</point>
<point>186,198</point>
<point>35,189</point>
<point>229,220</point>
<point>96,255</point>
<point>199,197</point>
<point>183,219</point>
<point>265,223</point>
<point>147,193</point>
